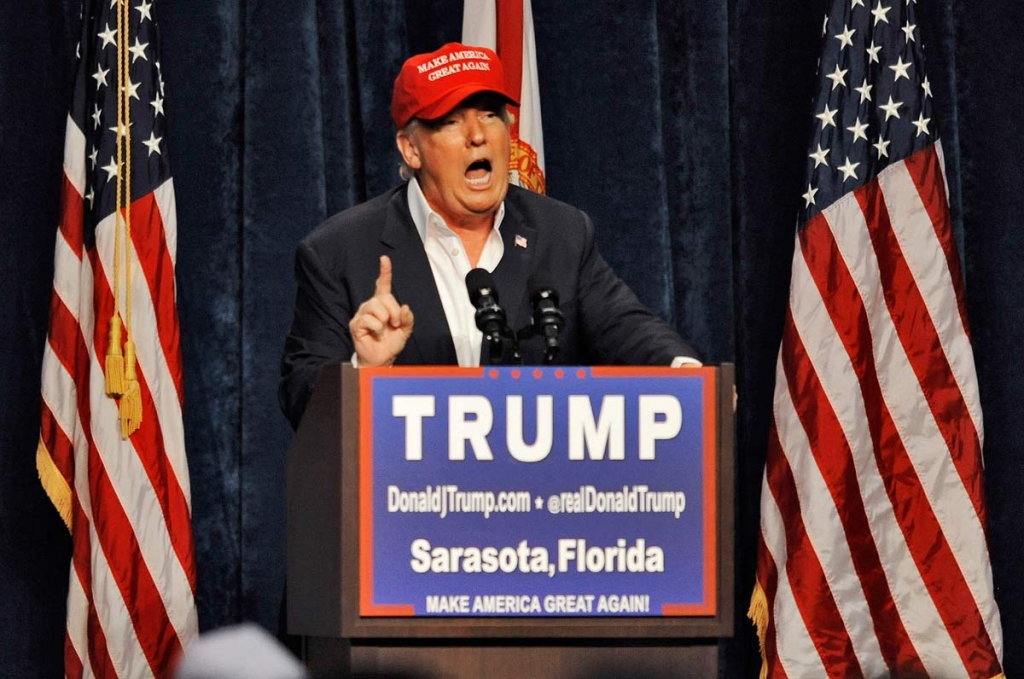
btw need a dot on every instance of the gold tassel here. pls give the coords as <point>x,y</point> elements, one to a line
<point>131,400</point>
<point>758,614</point>
<point>115,362</point>
<point>54,483</point>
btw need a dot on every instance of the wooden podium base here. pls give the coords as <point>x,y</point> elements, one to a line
<point>331,658</point>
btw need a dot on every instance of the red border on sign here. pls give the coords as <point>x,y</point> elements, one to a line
<point>367,604</point>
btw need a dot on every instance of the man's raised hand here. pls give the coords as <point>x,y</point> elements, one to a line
<point>380,327</point>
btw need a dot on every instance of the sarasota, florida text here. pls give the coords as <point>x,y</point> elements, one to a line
<point>574,555</point>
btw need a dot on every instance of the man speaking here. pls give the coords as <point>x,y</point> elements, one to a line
<point>385,282</point>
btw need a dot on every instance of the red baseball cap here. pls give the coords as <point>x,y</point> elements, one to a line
<point>430,85</point>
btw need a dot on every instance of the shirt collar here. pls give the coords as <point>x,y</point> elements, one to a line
<point>421,211</point>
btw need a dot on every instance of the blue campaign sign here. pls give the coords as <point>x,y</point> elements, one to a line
<point>537,492</point>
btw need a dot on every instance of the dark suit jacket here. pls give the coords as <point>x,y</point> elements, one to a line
<point>337,265</point>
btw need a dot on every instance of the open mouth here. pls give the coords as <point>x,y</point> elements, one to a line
<point>479,172</point>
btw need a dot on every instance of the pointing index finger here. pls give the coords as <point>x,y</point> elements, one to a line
<point>383,286</point>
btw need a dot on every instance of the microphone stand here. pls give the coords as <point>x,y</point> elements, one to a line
<point>495,341</point>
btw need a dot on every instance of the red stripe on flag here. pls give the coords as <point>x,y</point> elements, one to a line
<point>811,591</point>
<point>66,340</point>
<point>71,219</point>
<point>68,345</point>
<point>150,243</point>
<point>148,441</point>
<point>510,48</point>
<point>830,449</point>
<point>72,663</point>
<point>926,172</point>
<point>921,342</point>
<point>99,654</point>
<point>58,445</point>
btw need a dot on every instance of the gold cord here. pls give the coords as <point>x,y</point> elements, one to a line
<point>130,408</point>
<point>114,372</point>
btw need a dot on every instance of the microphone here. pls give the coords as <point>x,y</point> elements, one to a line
<point>489,317</point>
<point>548,321</point>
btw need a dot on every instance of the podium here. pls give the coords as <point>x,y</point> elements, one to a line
<point>344,632</point>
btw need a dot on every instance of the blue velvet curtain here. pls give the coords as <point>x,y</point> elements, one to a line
<point>679,126</point>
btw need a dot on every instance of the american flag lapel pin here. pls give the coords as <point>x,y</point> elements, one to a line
<point>520,241</point>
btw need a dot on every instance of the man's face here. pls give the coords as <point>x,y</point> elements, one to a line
<point>461,160</point>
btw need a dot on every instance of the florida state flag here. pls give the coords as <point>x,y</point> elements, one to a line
<point>506,26</point>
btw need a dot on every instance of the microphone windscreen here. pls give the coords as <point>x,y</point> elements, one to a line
<point>478,281</point>
<point>479,278</point>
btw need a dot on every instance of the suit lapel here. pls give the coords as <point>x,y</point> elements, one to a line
<point>511,273</point>
<point>413,284</point>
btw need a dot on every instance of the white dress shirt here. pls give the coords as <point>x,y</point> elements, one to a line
<point>449,263</point>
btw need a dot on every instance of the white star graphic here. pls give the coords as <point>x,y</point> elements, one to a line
<point>846,37</point>
<point>96,116</point>
<point>838,77</point>
<point>109,37</point>
<point>873,53</point>
<point>824,25</point>
<point>158,106</point>
<point>882,147</point>
<point>901,68</point>
<point>119,130</point>
<point>858,130</point>
<point>809,196</point>
<point>864,90</point>
<point>827,117</point>
<point>138,50</point>
<point>111,169</point>
<point>856,2</point>
<point>927,87</point>
<point>890,108</point>
<point>100,76</point>
<point>849,170</point>
<point>153,144</point>
<point>143,10</point>
<point>92,157</point>
<point>90,196</point>
<point>819,156</point>
<point>921,124</point>
<point>880,13</point>
<point>909,31</point>
<point>133,89</point>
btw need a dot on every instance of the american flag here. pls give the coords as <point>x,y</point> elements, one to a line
<point>125,499</point>
<point>873,559</point>
<point>506,26</point>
